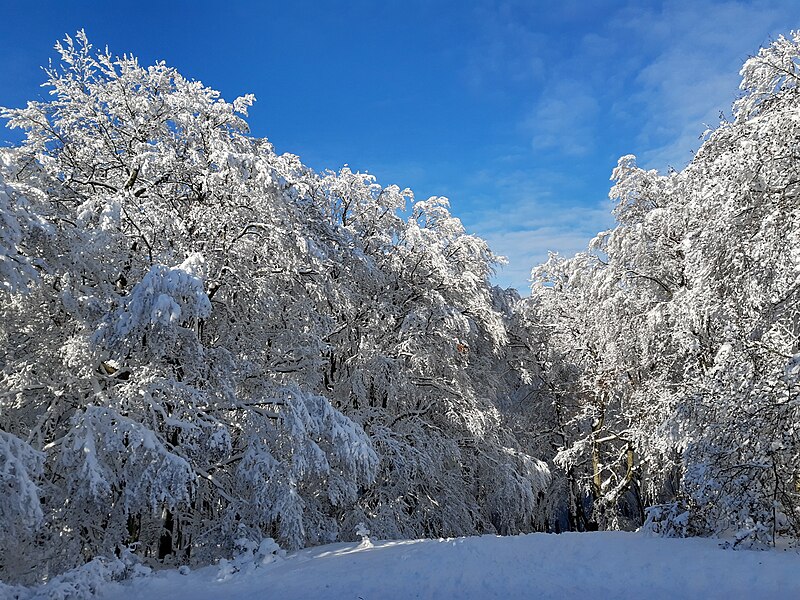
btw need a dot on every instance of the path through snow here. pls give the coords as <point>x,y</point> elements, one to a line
<point>571,565</point>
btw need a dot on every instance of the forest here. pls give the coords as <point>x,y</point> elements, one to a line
<point>205,344</point>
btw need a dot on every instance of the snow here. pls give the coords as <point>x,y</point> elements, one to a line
<point>569,565</point>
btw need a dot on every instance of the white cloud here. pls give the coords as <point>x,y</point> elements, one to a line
<point>666,69</point>
<point>530,222</point>
<point>507,49</point>
<point>527,247</point>
<point>563,119</point>
<point>695,50</point>
<point>650,77</point>
<point>643,78</point>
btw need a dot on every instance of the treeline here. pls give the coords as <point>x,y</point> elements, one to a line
<point>670,350</point>
<point>204,344</point>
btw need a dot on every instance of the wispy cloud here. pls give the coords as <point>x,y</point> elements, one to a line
<point>564,119</point>
<point>530,221</point>
<point>507,50</point>
<point>540,231</point>
<point>696,50</point>
<point>598,79</point>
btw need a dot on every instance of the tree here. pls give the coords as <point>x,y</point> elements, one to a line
<point>205,342</point>
<point>678,329</point>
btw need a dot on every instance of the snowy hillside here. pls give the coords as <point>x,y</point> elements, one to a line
<point>570,565</point>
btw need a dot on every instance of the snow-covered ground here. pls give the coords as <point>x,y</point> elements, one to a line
<point>571,565</point>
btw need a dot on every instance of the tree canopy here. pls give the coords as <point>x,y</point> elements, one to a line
<point>205,344</point>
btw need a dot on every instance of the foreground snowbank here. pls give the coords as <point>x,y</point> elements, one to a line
<point>599,565</point>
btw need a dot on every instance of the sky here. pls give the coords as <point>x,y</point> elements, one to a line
<point>516,111</point>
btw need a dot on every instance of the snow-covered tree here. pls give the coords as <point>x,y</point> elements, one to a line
<point>674,338</point>
<point>204,341</point>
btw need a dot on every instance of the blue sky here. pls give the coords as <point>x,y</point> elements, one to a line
<point>516,111</point>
